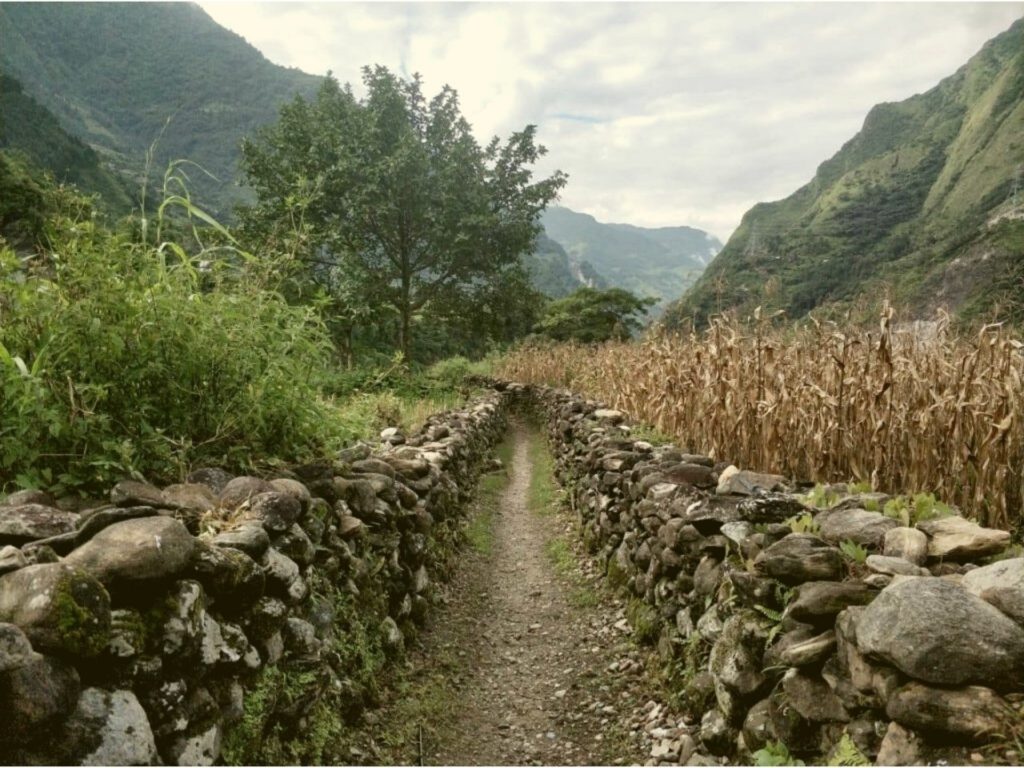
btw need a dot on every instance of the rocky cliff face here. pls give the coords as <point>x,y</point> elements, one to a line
<point>924,205</point>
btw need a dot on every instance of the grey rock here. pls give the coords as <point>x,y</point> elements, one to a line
<point>812,698</point>
<point>297,545</point>
<point>349,526</point>
<point>282,575</point>
<point>818,602</point>
<point>240,490</point>
<point>766,507</point>
<point>15,649</point>
<point>757,727</point>
<point>973,712</point>
<point>878,580</point>
<point>228,576</point>
<point>746,483</point>
<point>736,662</point>
<point>30,522</point>
<point>800,557</point>
<point>707,576</point>
<point>89,525</point>
<point>300,639</point>
<point>809,652</point>
<point>751,589</point>
<point>266,618</point>
<point>894,566</point>
<point>1001,584</point>
<point>937,632</point>
<point>119,722</point>
<point>716,734</point>
<point>373,466</point>
<point>60,608</point>
<point>202,748</point>
<point>189,496</point>
<point>954,538</point>
<point>857,525</point>
<point>142,549</point>
<point>710,625</point>
<point>131,493</point>
<point>908,543</point>
<point>394,642</point>
<point>250,538</point>
<point>738,531</point>
<point>184,617</point>
<point>293,488</point>
<point>11,559</point>
<point>30,496</point>
<point>214,478</point>
<point>276,511</point>
<point>36,696</point>
<point>900,746</point>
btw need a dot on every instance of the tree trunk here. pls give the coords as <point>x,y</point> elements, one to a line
<point>405,310</point>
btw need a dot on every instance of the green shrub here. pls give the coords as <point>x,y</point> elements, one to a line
<point>118,358</point>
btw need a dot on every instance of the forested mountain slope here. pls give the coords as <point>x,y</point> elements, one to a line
<point>29,128</point>
<point>924,205</point>
<point>115,73</point>
<point>659,262</point>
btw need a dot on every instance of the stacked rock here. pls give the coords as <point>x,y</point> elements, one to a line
<point>828,631</point>
<point>135,632</point>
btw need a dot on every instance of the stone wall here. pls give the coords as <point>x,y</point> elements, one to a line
<point>859,625</point>
<point>227,618</point>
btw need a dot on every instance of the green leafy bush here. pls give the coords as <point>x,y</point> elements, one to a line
<point>118,358</point>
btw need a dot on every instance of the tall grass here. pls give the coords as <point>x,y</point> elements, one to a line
<point>902,410</point>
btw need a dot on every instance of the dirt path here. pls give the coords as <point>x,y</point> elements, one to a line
<point>527,663</point>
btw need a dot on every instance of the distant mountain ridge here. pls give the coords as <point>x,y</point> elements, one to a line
<point>29,128</point>
<point>659,262</point>
<point>925,205</point>
<point>113,74</point>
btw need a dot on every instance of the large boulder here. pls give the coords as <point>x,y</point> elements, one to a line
<point>30,522</point>
<point>937,632</point>
<point>240,490</point>
<point>973,712</point>
<point>1001,584</point>
<point>954,538</point>
<point>736,663</point>
<point>110,728</point>
<point>857,525</point>
<point>817,602</point>
<point>143,549</point>
<point>60,608</point>
<point>800,557</point>
<point>15,648</point>
<point>34,697</point>
<point>907,543</point>
<point>131,493</point>
<point>742,482</point>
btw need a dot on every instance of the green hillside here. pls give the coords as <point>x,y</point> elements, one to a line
<point>114,73</point>
<point>918,207</point>
<point>549,269</point>
<point>660,263</point>
<point>29,128</point>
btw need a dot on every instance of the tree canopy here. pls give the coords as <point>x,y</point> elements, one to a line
<point>590,315</point>
<point>399,207</point>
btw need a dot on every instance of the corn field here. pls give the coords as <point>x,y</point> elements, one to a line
<point>906,412</point>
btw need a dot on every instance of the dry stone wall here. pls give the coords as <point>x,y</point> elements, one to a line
<point>824,629</point>
<point>227,618</point>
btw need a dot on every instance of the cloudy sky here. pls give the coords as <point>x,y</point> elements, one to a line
<point>661,113</point>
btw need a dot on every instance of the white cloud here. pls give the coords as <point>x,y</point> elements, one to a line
<point>661,113</point>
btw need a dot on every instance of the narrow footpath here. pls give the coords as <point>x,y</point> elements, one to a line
<point>530,661</point>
